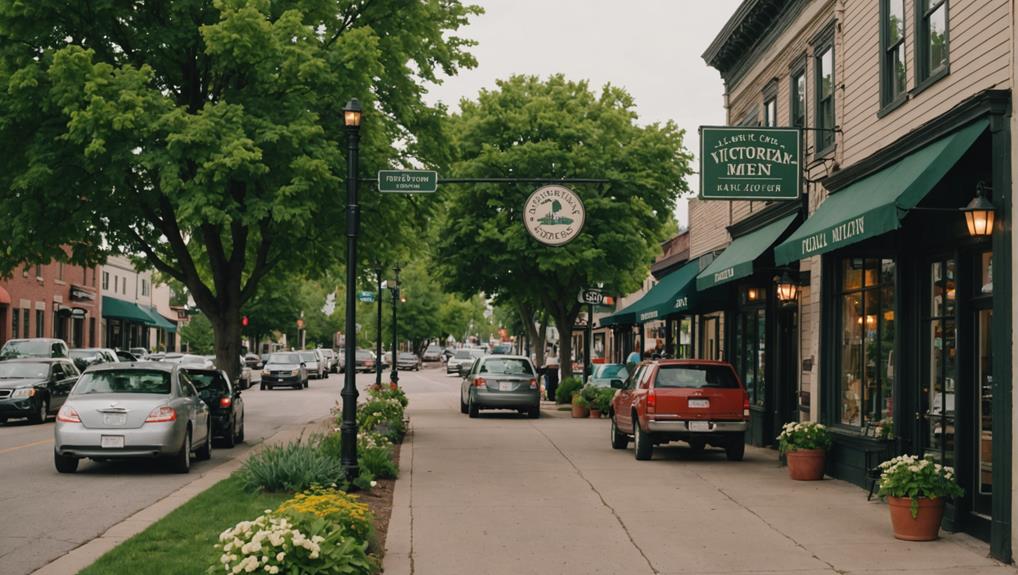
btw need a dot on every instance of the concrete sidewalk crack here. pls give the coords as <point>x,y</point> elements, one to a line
<point>412,564</point>
<point>769,524</point>
<point>604,502</point>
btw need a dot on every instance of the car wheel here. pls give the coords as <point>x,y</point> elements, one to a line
<point>642,440</point>
<point>271,388</point>
<point>472,409</point>
<point>534,412</point>
<point>619,439</point>
<point>65,463</point>
<point>735,448</point>
<point>240,434</point>
<point>463,405</point>
<point>3,420</point>
<point>204,453</point>
<point>41,413</point>
<point>262,387</point>
<point>181,462</point>
<point>230,437</point>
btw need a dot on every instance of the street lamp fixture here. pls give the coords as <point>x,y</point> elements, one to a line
<point>787,290</point>
<point>348,426</point>
<point>394,374</point>
<point>979,214</point>
<point>378,325</point>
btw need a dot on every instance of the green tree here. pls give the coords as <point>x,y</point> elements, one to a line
<point>206,135</point>
<point>197,334</point>
<point>553,129</point>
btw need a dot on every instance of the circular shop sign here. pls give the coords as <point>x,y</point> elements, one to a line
<point>554,215</point>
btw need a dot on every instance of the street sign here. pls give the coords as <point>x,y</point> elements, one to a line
<point>366,296</point>
<point>554,215</point>
<point>407,181</point>
<point>749,163</point>
<point>591,296</point>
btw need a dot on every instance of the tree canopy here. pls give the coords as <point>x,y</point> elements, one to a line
<point>557,128</point>
<point>207,135</point>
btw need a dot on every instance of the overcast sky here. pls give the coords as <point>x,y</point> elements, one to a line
<point>650,47</point>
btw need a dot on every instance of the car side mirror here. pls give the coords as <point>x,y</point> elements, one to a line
<point>464,369</point>
<point>617,384</point>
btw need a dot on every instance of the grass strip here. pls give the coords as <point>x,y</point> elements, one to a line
<point>182,542</point>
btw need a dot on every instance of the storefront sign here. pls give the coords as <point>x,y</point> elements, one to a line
<point>648,315</point>
<point>749,163</point>
<point>829,239</point>
<point>82,294</point>
<point>590,296</point>
<point>681,303</point>
<point>554,215</point>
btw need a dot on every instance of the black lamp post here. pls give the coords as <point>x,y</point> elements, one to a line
<point>394,375</point>
<point>378,324</point>
<point>348,428</point>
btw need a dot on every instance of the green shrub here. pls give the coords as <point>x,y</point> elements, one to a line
<point>388,392</point>
<point>603,399</point>
<point>383,416</point>
<point>589,393</point>
<point>377,461</point>
<point>566,389</point>
<point>295,466</point>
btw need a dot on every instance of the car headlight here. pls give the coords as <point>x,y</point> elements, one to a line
<point>266,372</point>
<point>24,392</point>
<point>295,372</point>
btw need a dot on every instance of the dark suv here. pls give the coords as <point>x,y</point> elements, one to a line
<point>224,402</point>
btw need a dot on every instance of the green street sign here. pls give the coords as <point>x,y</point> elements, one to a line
<point>750,163</point>
<point>366,296</point>
<point>407,181</point>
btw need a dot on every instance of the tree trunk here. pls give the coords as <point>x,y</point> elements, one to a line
<point>565,318</point>
<point>226,330</point>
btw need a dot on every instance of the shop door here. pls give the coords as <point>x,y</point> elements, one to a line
<point>786,368</point>
<point>938,393</point>
<point>983,480</point>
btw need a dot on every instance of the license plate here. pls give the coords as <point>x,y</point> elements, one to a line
<point>115,419</point>
<point>505,386</point>
<point>112,441</point>
<point>699,426</point>
<point>699,403</point>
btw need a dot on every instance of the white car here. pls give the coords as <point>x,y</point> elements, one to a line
<point>464,357</point>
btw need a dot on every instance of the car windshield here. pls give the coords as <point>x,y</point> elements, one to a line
<point>24,370</point>
<point>610,371</point>
<point>363,355</point>
<point>508,366</point>
<point>287,358</point>
<point>463,354</point>
<point>433,349</point>
<point>695,376</point>
<point>407,355</point>
<point>209,381</point>
<point>26,349</point>
<point>123,381</point>
<point>308,356</point>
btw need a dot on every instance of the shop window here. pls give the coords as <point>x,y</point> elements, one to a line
<point>824,121</point>
<point>892,64</point>
<point>986,273</point>
<point>942,374</point>
<point>750,356</point>
<point>867,342</point>
<point>40,320</point>
<point>931,40</point>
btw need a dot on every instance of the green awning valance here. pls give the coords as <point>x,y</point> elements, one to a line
<point>737,260</point>
<point>673,294</point>
<point>877,203</point>
<point>120,309</point>
<point>160,321</point>
<point>624,316</point>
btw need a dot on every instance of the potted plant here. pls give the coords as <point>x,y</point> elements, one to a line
<point>805,447</point>
<point>915,489</point>
<point>589,394</point>
<point>580,405</point>
<point>603,400</point>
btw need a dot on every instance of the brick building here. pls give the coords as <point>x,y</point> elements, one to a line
<point>54,300</point>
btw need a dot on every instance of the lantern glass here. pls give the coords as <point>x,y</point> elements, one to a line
<point>979,222</point>
<point>787,291</point>
<point>352,118</point>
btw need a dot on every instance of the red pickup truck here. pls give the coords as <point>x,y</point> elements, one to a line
<point>697,401</point>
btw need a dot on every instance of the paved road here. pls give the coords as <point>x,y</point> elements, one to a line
<point>46,514</point>
<point>505,494</point>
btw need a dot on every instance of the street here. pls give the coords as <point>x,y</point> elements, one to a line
<point>56,513</point>
<point>504,494</point>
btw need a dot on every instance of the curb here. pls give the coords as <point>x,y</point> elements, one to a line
<point>87,553</point>
<point>399,543</point>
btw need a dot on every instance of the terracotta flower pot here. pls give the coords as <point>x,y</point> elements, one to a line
<point>925,526</point>
<point>595,413</point>
<point>806,464</point>
<point>579,411</point>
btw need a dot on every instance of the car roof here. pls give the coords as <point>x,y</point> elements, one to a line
<point>688,362</point>
<point>49,339</point>
<point>502,356</point>
<point>38,360</point>
<point>151,365</point>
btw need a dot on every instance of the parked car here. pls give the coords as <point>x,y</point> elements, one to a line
<point>462,357</point>
<point>253,360</point>
<point>313,363</point>
<point>432,353</point>
<point>408,361</point>
<point>224,401</point>
<point>604,373</point>
<point>697,401</point>
<point>126,356</point>
<point>502,349</point>
<point>86,356</point>
<point>142,410</point>
<point>501,382</point>
<point>138,352</point>
<point>341,360</point>
<point>365,361</point>
<point>447,353</point>
<point>284,368</point>
<point>156,356</point>
<point>330,356</point>
<point>35,388</point>
<point>189,360</point>
<point>33,347</point>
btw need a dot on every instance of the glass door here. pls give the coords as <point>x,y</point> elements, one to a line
<point>939,391</point>
<point>982,480</point>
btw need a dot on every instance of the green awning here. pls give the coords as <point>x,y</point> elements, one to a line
<point>673,294</point>
<point>877,203</point>
<point>737,260</point>
<point>120,309</point>
<point>161,322</point>
<point>624,316</point>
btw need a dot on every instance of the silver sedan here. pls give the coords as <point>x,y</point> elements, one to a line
<point>501,382</point>
<point>132,410</point>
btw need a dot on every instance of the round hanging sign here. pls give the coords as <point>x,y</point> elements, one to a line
<point>554,215</point>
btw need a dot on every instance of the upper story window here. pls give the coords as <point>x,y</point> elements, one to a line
<point>770,113</point>
<point>144,287</point>
<point>892,65</point>
<point>38,272</point>
<point>931,38</point>
<point>797,97</point>
<point>823,67</point>
<point>106,280</point>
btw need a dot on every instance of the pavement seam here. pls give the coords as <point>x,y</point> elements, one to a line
<point>769,524</point>
<point>412,451</point>
<point>604,502</point>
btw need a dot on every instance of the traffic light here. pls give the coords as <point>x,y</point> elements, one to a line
<point>244,321</point>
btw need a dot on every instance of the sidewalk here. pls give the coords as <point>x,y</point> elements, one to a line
<point>83,556</point>
<point>501,494</point>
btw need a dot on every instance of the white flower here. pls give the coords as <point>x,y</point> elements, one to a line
<point>374,483</point>
<point>314,555</point>
<point>280,556</point>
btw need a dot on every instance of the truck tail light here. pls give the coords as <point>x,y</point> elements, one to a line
<point>651,401</point>
<point>68,414</point>
<point>161,415</point>
<point>225,401</point>
<point>533,383</point>
<point>745,405</point>
<point>480,382</point>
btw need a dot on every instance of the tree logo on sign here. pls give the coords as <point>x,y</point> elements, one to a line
<point>554,215</point>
